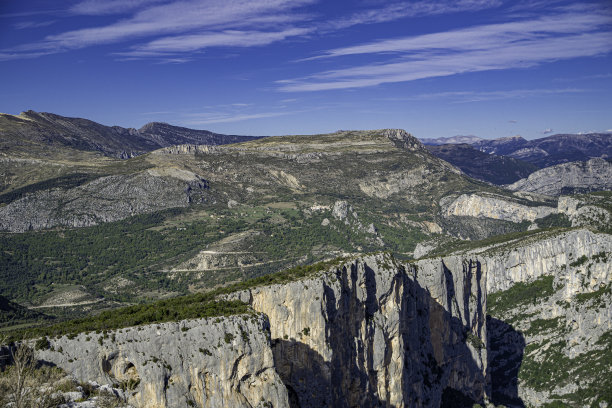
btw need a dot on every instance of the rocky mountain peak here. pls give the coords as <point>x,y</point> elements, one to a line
<point>152,126</point>
<point>403,139</point>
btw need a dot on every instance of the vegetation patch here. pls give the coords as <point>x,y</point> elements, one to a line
<point>599,296</point>
<point>500,303</point>
<point>542,325</point>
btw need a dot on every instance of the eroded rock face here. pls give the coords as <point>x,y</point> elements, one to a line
<point>473,205</point>
<point>525,261</point>
<point>550,345</point>
<point>374,332</point>
<point>212,363</point>
<point>105,199</point>
<point>568,178</point>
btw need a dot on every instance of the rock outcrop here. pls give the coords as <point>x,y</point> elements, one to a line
<point>474,205</point>
<point>581,213</point>
<point>212,363</point>
<point>105,199</point>
<point>527,260</point>
<point>568,178</point>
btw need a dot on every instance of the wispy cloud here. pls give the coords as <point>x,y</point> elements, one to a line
<point>403,9</point>
<point>514,44</point>
<point>546,131</point>
<point>188,25</point>
<point>101,7</point>
<point>208,118</point>
<point>195,42</point>
<point>479,96</point>
<point>584,77</point>
<point>32,24</point>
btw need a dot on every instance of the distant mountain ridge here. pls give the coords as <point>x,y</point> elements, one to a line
<point>551,150</point>
<point>451,140</point>
<point>33,129</point>
<point>543,152</point>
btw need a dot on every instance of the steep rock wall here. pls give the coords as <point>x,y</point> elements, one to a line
<point>525,261</point>
<point>371,332</point>
<point>217,362</point>
<point>474,205</point>
<point>592,175</point>
<point>105,199</point>
<point>549,337</point>
<point>374,332</point>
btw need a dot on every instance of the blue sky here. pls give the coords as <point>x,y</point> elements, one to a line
<point>490,68</point>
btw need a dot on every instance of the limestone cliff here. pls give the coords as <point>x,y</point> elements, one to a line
<point>543,254</point>
<point>550,303</point>
<point>105,199</point>
<point>223,362</point>
<point>479,206</point>
<point>568,178</point>
<point>374,332</point>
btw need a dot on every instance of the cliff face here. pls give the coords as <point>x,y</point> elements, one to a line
<point>568,178</point>
<point>371,332</point>
<point>473,205</point>
<point>105,199</point>
<point>525,261</point>
<point>374,332</point>
<point>224,362</point>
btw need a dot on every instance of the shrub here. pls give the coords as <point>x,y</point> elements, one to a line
<point>42,344</point>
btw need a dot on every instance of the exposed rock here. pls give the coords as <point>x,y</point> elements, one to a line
<point>581,214</point>
<point>105,199</point>
<point>394,183</point>
<point>403,139</point>
<point>374,332</point>
<point>423,248</point>
<point>554,339</point>
<point>527,260</point>
<point>568,178</point>
<point>341,210</point>
<point>473,205</point>
<point>208,362</point>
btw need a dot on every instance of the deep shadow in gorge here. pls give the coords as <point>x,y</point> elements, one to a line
<point>506,348</point>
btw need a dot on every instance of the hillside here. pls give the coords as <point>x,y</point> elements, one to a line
<point>269,240</point>
<point>483,166</point>
<point>519,318</point>
<point>32,133</point>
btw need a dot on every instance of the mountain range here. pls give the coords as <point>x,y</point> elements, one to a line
<point>543,152</point>
<point>34,130</point>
